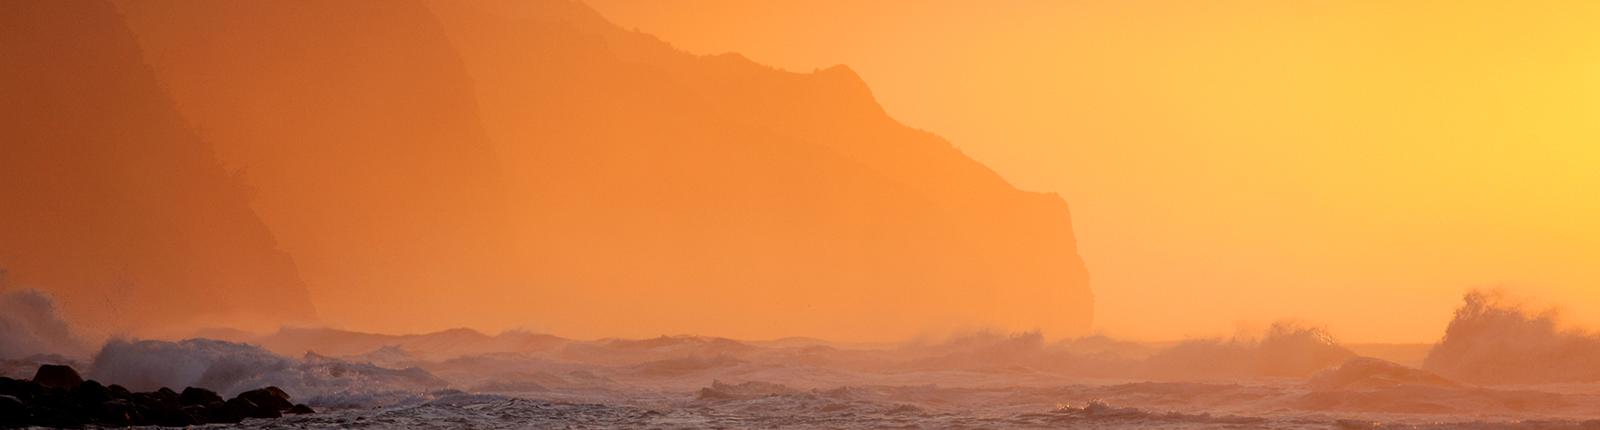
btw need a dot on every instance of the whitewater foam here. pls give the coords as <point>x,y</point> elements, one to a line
<point>230,368</point>
<point>30,326</point>
<point>1293,376</point>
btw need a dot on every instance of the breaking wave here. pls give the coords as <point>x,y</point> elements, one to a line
<point>30,326</point>
<point>230,368</point>
<point>1287,350</point>
<point>1291,376</point>
<point>1365,373</point>
<point>1492,340</point>
<point>1098,410</point>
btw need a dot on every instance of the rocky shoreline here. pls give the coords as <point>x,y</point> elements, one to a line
<point>58,397</point>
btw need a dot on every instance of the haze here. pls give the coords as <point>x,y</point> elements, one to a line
<point>1230,163</point>
<point>780,214</point>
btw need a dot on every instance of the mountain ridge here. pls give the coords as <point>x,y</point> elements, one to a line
<point>493,165</point>
<point>112,204</point>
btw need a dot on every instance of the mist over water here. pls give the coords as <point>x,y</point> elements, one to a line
<point>30,325</point>
<point>202,191</point>
<point>230,368</point>
<point>1292,375</point>
<point>1493,339</point>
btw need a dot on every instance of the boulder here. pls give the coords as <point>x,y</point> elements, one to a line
<point>119,392</point>
<point>48,401</point>
<point>147,400</point>
<point>56,408</point>
<point>162,408</point>
<point>269,397</point>
<point>18,388</point>
<point>198,396</point>
<point>91,393</point>
<point>52,401</point>
<point>175,417</point>
<point>13,412</point>
<point>167,395</point>
<point>57,376</point>
<point>114,413</point>
<point>242,406</point>
<point>219,412</point>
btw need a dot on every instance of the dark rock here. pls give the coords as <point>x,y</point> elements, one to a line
<point>242,406</point>
<point>199,412</point>
<point>177,418</point>
<point>154,409</point>
<point>56,408</point>
<point>119,392</point>
<point>167,395</point>
<point>57,376</point>
<point>18,388</point>
<point>52,400</point>
<point>13,412</point>
<point>58,419</point>
<point>224,415</point>
<point>269,397</point>
<point>160,408</point>
<point>119,413</point>
<point>29,403</point>
<point>218,412</point>
<point>198,396</point>
<point>91,393</point>
<point>157,404</point>
<point>145,400</point>
<point>136,415</point>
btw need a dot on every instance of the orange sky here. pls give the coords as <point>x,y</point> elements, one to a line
<point>1354,164</point>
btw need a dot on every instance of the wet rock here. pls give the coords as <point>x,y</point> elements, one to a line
<point>198,396</point>
<point>12,411</point>
<point>166,395</point>
<point>47,401</point>
<point>18,388</point>
<point>57,376</point>
<point>91,393</point>
<point>56,408</point>
<point>248,409</point>
<point>175,417</point>
<point>163,409</point>
<point>219,412</point>
<point>119,413</point>
<point>269,397</point>
<point>119,392</point>
<point>52,400</point>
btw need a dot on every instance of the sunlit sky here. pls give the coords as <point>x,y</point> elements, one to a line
<point>1357,165</point>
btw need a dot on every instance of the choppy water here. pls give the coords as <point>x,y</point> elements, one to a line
<point>1291,378</point>
<point>825,411</point>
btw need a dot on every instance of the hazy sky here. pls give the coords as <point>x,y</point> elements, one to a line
<point>1353,164</point>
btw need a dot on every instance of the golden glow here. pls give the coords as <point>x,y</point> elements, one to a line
<point>1356,164</point>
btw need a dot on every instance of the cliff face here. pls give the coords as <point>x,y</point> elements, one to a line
<point>109,202</point>
<point>794,192</point>
<point>356,123</point>
<point>435,164</point>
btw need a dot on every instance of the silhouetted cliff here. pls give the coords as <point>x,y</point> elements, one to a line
<point>106,199</point>
<point>356,122</point>
<point>433,164</point>
<point>778,196</point>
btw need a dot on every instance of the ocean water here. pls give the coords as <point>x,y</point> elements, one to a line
<point>1290,377</point>
<point>469,380</point>
<point>899,407</point>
